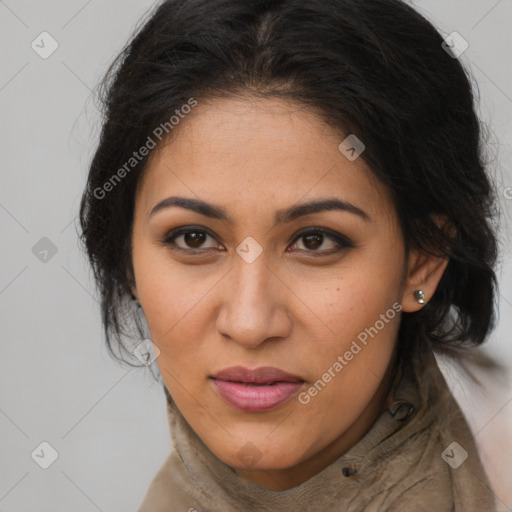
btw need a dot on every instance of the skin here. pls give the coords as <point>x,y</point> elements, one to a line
<point>288,309</point>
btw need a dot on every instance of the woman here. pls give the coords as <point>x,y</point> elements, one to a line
<point>292,193</point>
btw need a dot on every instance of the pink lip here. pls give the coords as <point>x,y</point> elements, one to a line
<point>250,390</point>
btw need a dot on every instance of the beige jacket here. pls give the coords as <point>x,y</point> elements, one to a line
<point>407,462</point>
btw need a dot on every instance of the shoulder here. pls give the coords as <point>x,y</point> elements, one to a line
<point>431,462</point>
<point>166,491</point>
<point>444,470</point>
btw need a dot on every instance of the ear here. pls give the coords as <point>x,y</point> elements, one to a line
<point>424,271</point>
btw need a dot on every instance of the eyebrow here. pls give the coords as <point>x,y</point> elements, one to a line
<point>281,217</point>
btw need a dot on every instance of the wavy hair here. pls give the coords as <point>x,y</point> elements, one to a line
<point>373,68</point>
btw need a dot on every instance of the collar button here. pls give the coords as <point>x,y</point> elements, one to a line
<point>348,472</point>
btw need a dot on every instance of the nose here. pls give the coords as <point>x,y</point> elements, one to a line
<point>254,304</point>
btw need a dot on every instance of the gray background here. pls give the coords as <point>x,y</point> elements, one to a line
<point>58,384</point>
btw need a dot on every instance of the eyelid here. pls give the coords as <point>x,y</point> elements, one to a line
<point>171,236</point>
<point>338,237</point>
<point>342,241</point>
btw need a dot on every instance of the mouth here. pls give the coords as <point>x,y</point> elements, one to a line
<point>258,390</point>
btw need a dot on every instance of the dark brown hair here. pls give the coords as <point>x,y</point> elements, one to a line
<point>373,68</point>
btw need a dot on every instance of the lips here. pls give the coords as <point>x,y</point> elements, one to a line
<point>262,375</point>
<point>257,390</point>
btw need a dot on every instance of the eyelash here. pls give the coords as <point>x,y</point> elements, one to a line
<point>342,241</point>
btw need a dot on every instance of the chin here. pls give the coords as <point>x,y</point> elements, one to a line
<point>260,456</point>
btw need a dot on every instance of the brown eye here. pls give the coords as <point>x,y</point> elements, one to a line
<point>317,238</point>
<point>313,241</point>
<point>189,239</point>
<point>194,239</point>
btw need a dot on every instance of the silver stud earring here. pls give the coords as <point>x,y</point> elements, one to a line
<point>419,295</point>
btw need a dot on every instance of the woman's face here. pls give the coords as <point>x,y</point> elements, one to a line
<point>256,278</point>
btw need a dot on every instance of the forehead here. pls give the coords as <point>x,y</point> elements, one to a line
<point>259,152</point>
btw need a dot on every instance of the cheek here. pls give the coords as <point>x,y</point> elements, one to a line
<point>172,298</point>
<point>349,369</point>
<point>349,300</point>
<point>359,315</point>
